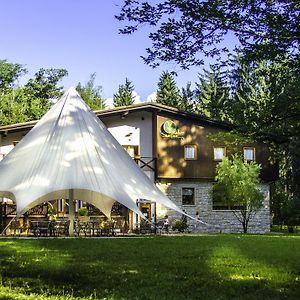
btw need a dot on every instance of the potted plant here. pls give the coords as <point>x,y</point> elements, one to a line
<point>83,214</point>
<point>52,213</point>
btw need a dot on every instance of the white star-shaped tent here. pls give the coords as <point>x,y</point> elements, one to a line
<point>70,149</point>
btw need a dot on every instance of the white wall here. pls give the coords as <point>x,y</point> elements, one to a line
<point>135,129</point>
<point>5,150</point>
<point>126,135</point>
<point>138,125</point>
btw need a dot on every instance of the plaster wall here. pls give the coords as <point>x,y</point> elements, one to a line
<point>133,129</point>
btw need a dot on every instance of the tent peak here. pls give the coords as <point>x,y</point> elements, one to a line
<point>72,91</point>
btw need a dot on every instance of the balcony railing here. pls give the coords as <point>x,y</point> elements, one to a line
<point>146,163</point>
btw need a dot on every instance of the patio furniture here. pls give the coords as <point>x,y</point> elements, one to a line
<point>159,226</point>
<point>40,228</point>
<point>15,228</point>
<point>61,227</point>
<point>95,227</point>
<point>83,227</point>
<point>144,227</point>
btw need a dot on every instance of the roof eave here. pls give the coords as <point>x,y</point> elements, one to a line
<point>132,108</point>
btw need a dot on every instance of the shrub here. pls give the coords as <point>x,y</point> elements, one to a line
<point>179,225</point>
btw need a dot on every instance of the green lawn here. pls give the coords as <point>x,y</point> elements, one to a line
<point>162,267</point>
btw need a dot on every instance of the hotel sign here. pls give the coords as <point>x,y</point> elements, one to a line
<point>169,130</point>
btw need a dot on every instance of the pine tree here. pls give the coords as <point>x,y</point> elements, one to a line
<point>124,95</point>
<point>91,94</point>
<point>167,91</point>
<point>212,95</point>
<point>187,98</point>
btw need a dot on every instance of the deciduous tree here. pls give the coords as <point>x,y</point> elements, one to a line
<point>9,73</point>
<point>181,30</point>
<point>237,184</point>
<point>42,90</point>
<point>29,102</point>
<point>91,93</point>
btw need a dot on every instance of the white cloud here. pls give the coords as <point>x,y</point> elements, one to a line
<point>151,97</point>
<point>137,97</point>
<point>109,102</point>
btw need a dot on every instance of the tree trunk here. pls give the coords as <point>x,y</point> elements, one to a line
<point>245,226</point>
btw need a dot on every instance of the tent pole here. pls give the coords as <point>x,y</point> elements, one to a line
<point>3,231</point>
<point>71,212</point>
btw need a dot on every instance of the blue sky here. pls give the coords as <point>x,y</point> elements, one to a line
<point>82,37</point>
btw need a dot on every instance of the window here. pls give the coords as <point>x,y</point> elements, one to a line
<point>60,205</point>
<point>188,196</point>
<point>249,153</point>
<point>219,153</point>
<point>219,204</point>
<point>190,152</point>
<point>226,206</point>
<point>79,204</point>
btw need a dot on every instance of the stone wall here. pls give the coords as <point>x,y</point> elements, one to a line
<point>216,220</point>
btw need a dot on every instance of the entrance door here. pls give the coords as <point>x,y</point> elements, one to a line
<point>146,210</point>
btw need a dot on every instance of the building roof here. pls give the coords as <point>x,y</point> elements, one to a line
<point>124,110</point>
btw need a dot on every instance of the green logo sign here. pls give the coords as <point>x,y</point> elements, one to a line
<point>170,130</point>
<point>169,127</point>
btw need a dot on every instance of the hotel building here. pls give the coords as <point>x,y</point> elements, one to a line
<point>174,150</point>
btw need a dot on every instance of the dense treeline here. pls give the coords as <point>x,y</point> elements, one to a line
<point>262,98</point>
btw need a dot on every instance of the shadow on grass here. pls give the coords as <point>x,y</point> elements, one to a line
<point>202,267</point>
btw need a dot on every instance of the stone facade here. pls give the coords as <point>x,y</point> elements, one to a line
<point>216,220</point>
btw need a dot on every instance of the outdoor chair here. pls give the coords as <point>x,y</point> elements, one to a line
<point>61,227</point>
<point>82,227</point>
<point>95,226</point>
<point>40,228</point>
<point>15,227</point>
<point>144,228</point>
<point>159,226</point>
<point>107,228</point>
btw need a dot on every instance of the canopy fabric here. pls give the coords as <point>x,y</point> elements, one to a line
<point>71,149</point>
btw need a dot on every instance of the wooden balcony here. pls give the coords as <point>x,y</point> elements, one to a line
<point>146,163</point>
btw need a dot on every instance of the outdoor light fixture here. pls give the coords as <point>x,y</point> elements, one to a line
<point>124,114</point>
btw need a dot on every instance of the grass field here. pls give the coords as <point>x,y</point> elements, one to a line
<point>162,267</point>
